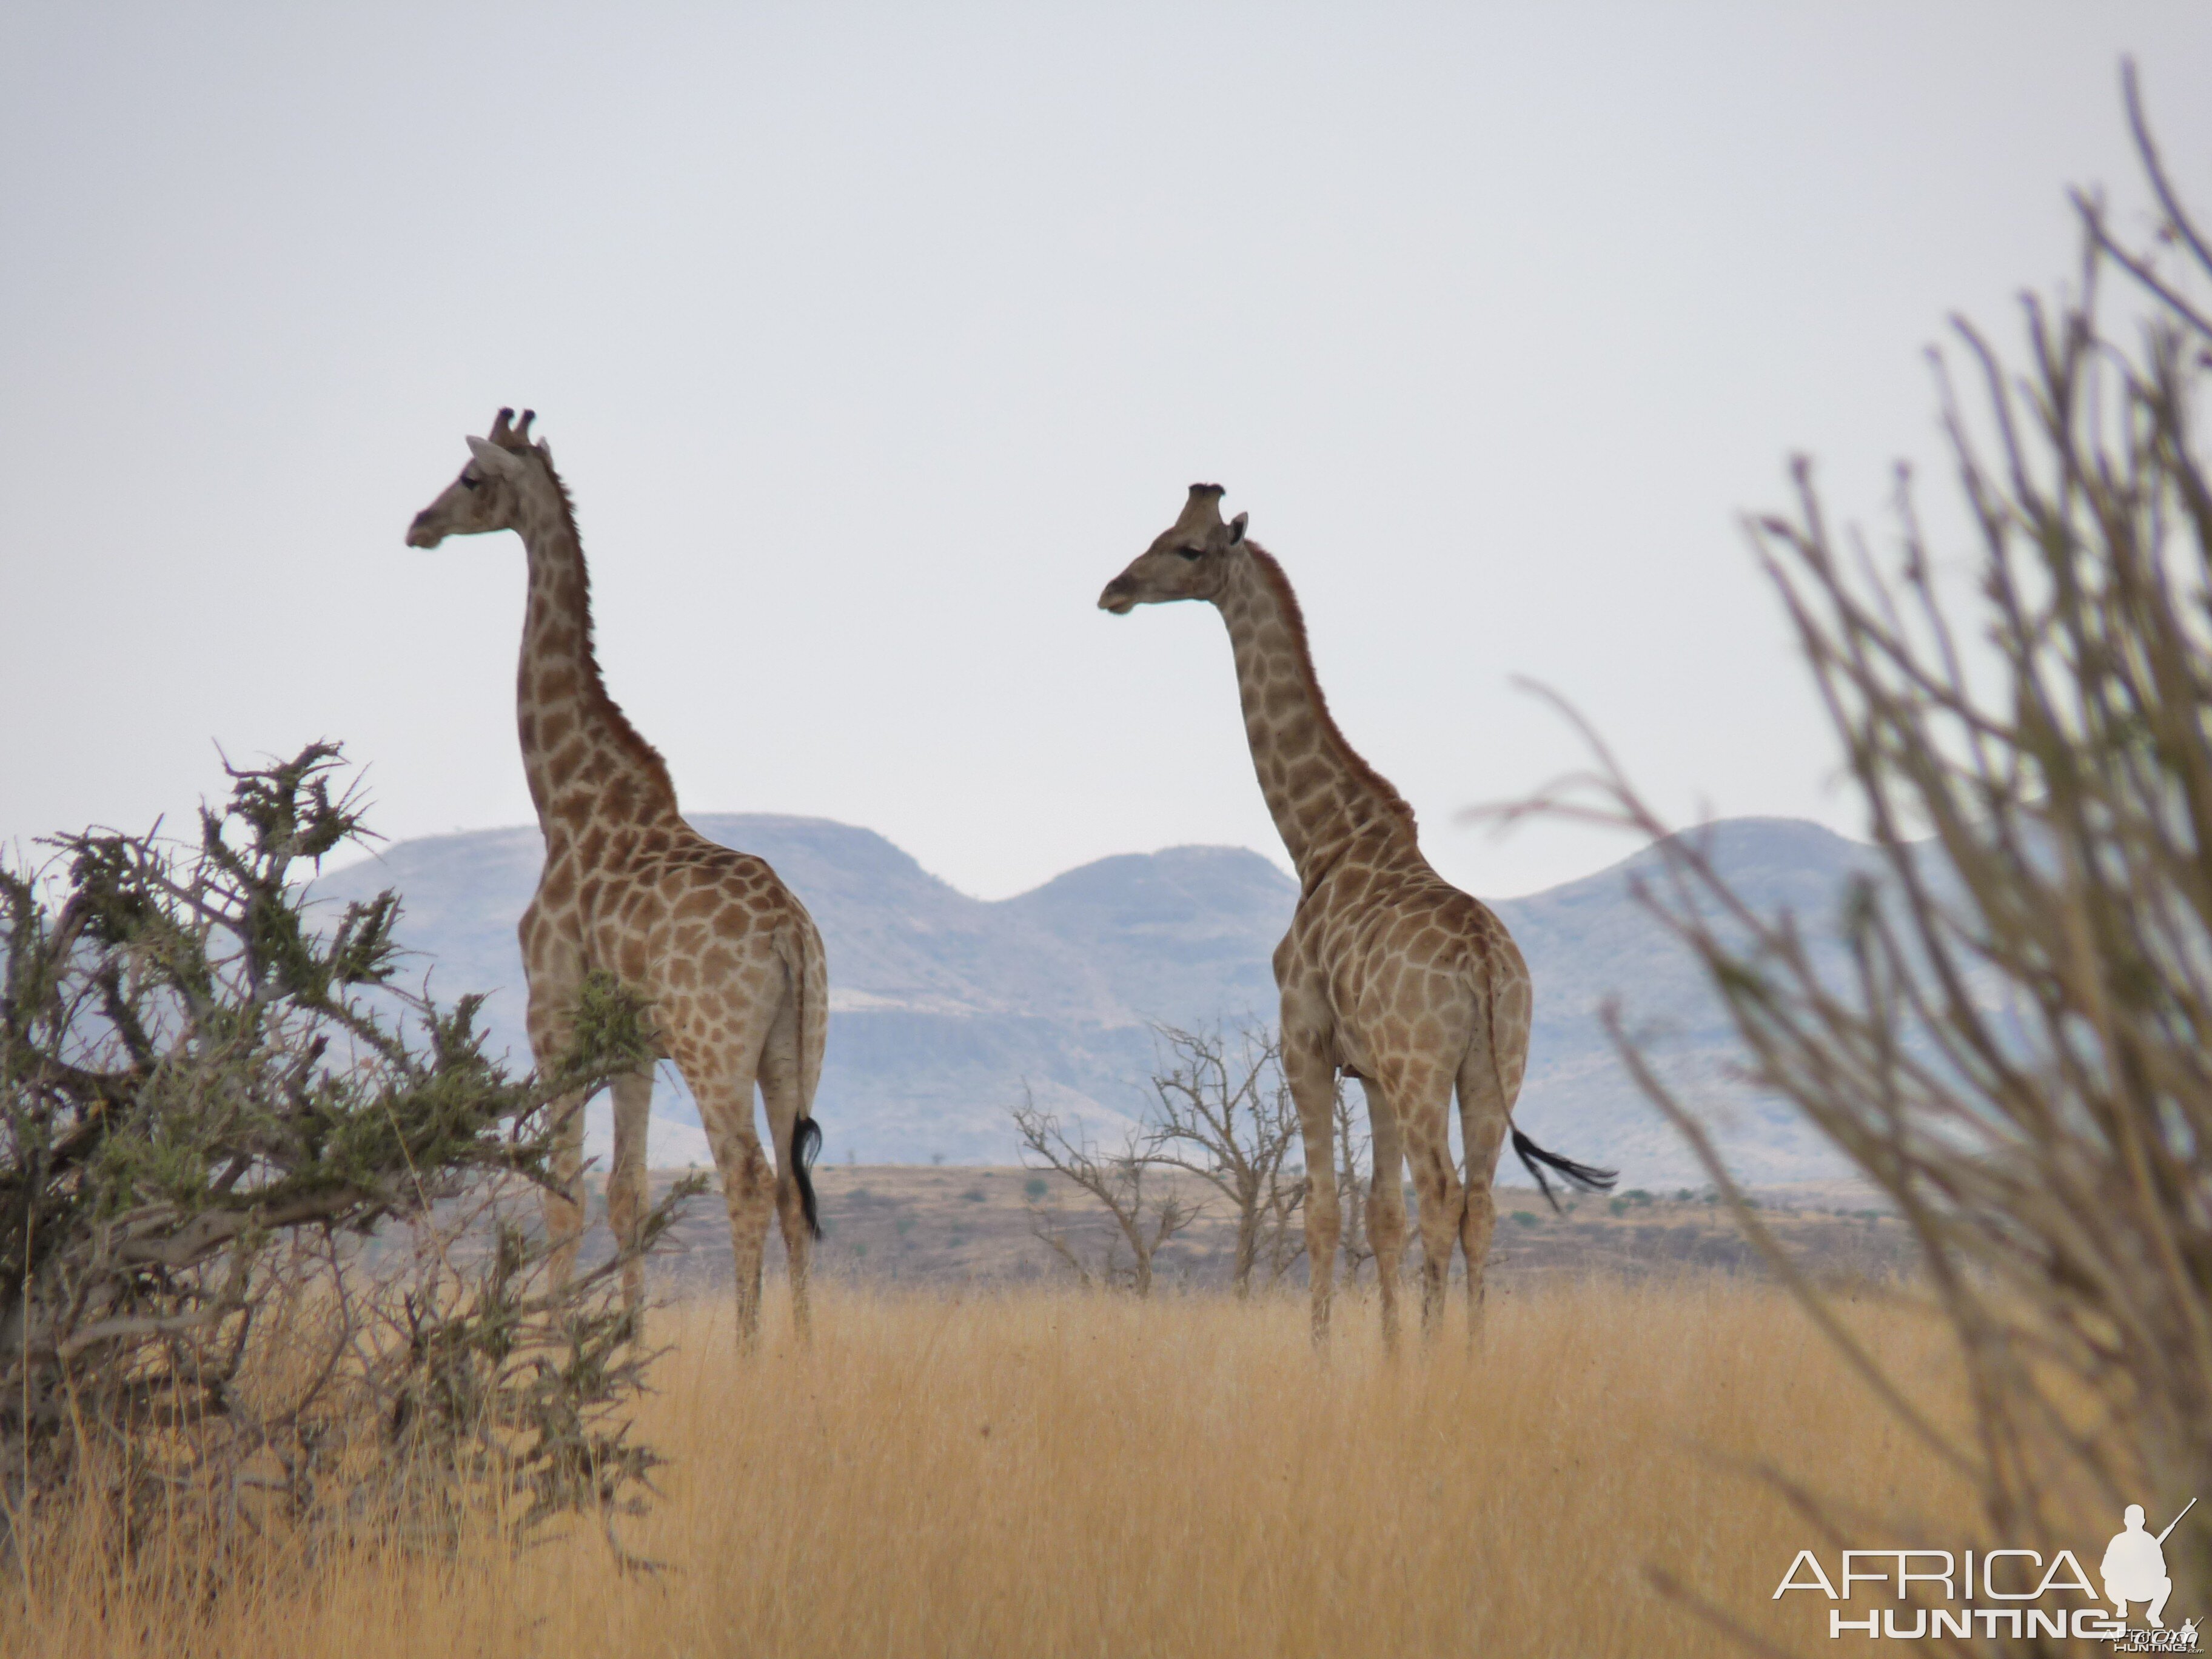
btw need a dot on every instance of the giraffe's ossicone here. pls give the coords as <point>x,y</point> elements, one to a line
<point>1389,974</point>
<point>724,957</point>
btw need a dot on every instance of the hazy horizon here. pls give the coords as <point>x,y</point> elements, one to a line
<point>349,857</point>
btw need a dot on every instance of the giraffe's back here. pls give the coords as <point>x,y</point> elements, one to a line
<point>707,935</point>
<point>1406,964</point>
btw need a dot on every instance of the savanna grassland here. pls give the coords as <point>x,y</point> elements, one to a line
<point>1039,1472</point>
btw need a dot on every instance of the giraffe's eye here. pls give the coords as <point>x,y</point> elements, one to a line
<point>1192,552</point>
<point>467,483</point>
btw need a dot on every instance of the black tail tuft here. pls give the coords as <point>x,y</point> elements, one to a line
<point>1587,1176</point>
<point>805,1147</point>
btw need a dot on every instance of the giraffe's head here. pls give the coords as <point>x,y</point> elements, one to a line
<point>1189,560</point>
<point>487,495</point>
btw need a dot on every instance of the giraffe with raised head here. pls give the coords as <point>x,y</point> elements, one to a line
<point>1389,974</point>
<point>725,959</point>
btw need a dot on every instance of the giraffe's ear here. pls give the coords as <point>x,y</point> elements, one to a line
<point>1236,528</point>
<point>500,463</point>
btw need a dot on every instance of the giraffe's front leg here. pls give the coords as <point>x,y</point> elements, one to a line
<point>553,990</point>
<point>1309,1069</point>
<point>564,1202</point>
<point>627,1193</point>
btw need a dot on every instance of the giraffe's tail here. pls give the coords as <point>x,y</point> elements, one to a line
<point>805,1147</point>
<point>807,973</point>
<point>1587,1176</point>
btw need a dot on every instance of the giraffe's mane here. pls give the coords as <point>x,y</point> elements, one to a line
<point>1294,619</point>
<point>626,735</point>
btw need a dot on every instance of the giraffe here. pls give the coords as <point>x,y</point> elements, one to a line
<point>726,959</point>
<point>1389,974</point>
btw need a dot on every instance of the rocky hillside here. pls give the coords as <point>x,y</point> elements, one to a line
<point>944,1008</point>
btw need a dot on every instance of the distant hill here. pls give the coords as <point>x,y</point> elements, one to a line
<point>943,1007</point>
<point>1590,942</point>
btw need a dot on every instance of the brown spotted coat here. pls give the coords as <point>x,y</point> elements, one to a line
<point>1389,974</point>
<point>724,957</point>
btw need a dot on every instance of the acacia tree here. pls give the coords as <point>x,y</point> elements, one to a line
<point>2017,1046</point>
<point>208,1101</point>
<point>1223,1113</point>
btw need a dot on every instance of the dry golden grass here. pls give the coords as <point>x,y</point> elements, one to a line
<point>1037,1473</point>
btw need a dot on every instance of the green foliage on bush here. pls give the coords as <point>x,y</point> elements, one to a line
<point>210,1100</point>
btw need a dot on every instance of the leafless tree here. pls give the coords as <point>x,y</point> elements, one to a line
<point>1223,1113</point>
<point>1145,1210</point>
<point>1282,1226</point>
<point>2008,1029</point>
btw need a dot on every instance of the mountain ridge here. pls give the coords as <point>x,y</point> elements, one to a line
<point>944,1008</point>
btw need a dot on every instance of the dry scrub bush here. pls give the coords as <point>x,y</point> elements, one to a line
<point>2014,1042</point>
<point>208,1105</point>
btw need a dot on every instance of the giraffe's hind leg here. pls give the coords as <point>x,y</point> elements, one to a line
<point>1485,1115</point>
<point>780,1090</point>
<point>1422,1095</point>
<point>1386,1201</point>
<point>627,1187</point>
<point>725,1107</point>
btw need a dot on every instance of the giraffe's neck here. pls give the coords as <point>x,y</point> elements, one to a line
<point>1323,796</point>
<point>585,762</point>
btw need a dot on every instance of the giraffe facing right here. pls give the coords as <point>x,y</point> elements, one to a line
<point>1389,974</point>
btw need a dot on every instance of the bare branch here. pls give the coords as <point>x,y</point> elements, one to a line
<point>2007,1023</point>
<point>1116,1181</point>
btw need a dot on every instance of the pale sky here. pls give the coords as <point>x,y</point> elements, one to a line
<point>872,341</point>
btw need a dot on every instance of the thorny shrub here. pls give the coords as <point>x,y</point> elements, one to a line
<point>257,1269</point>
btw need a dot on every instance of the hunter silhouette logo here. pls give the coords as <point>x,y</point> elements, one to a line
<point>2135,1566</point>
<point>2006,1593</point>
